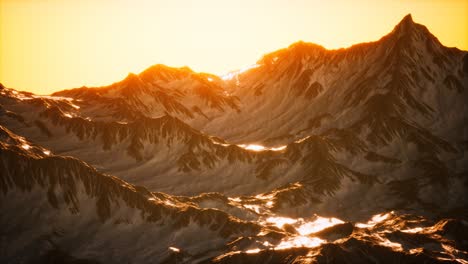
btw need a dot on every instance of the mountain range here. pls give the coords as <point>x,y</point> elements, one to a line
<point>355,155</point>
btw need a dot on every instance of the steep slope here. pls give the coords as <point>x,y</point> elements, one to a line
<point>162,153</point>
<point>58,209</point>
<point>59,204</point>
<point>304,177</point>
<point>307,88</point>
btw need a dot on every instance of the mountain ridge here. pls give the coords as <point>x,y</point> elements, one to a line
<point>355,108</point>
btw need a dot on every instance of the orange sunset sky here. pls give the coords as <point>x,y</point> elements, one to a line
<point>49,45</point>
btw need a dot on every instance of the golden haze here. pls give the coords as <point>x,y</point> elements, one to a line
<point>49,45</point>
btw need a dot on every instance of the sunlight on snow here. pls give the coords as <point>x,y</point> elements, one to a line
<point>292,242</point>
<point>253,207</point>
<point>232,74</point>
<point>25,146</point>
<point>280,221</point>
<point>252,251</point>
<point>235,199</point>
<point>413,230</point>
<point>304,227</point>
<point>375,220</point>
<point>300,241</point>
<point>395,246</point>
<point>75,106</point>
<point>256,147</point>
<point>253,147</point>
<point>264,196</point>
<point>167,202</point>
<point>317,225</point>
<point>58,98</point>
<point>278,148</point>
<point>174,249</point>
<point>387,243</point>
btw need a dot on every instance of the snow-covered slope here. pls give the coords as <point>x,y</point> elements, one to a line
<point>57,209</point>
<point>165,153</point>
<point>307,88</point>
<point>60,203</point>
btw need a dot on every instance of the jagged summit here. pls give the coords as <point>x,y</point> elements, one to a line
<point>408,19</point>
<point>404,36</point>
<point>408,29</point>
<point>406,24</point>
<point>132,80</point>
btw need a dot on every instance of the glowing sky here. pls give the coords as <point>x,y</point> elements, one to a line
<point>49,45</point>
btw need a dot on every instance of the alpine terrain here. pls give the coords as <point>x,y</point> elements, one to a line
<point>356,155</point>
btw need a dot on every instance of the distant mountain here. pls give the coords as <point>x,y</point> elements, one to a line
<point>157,90</point>
<point>249,159</point>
